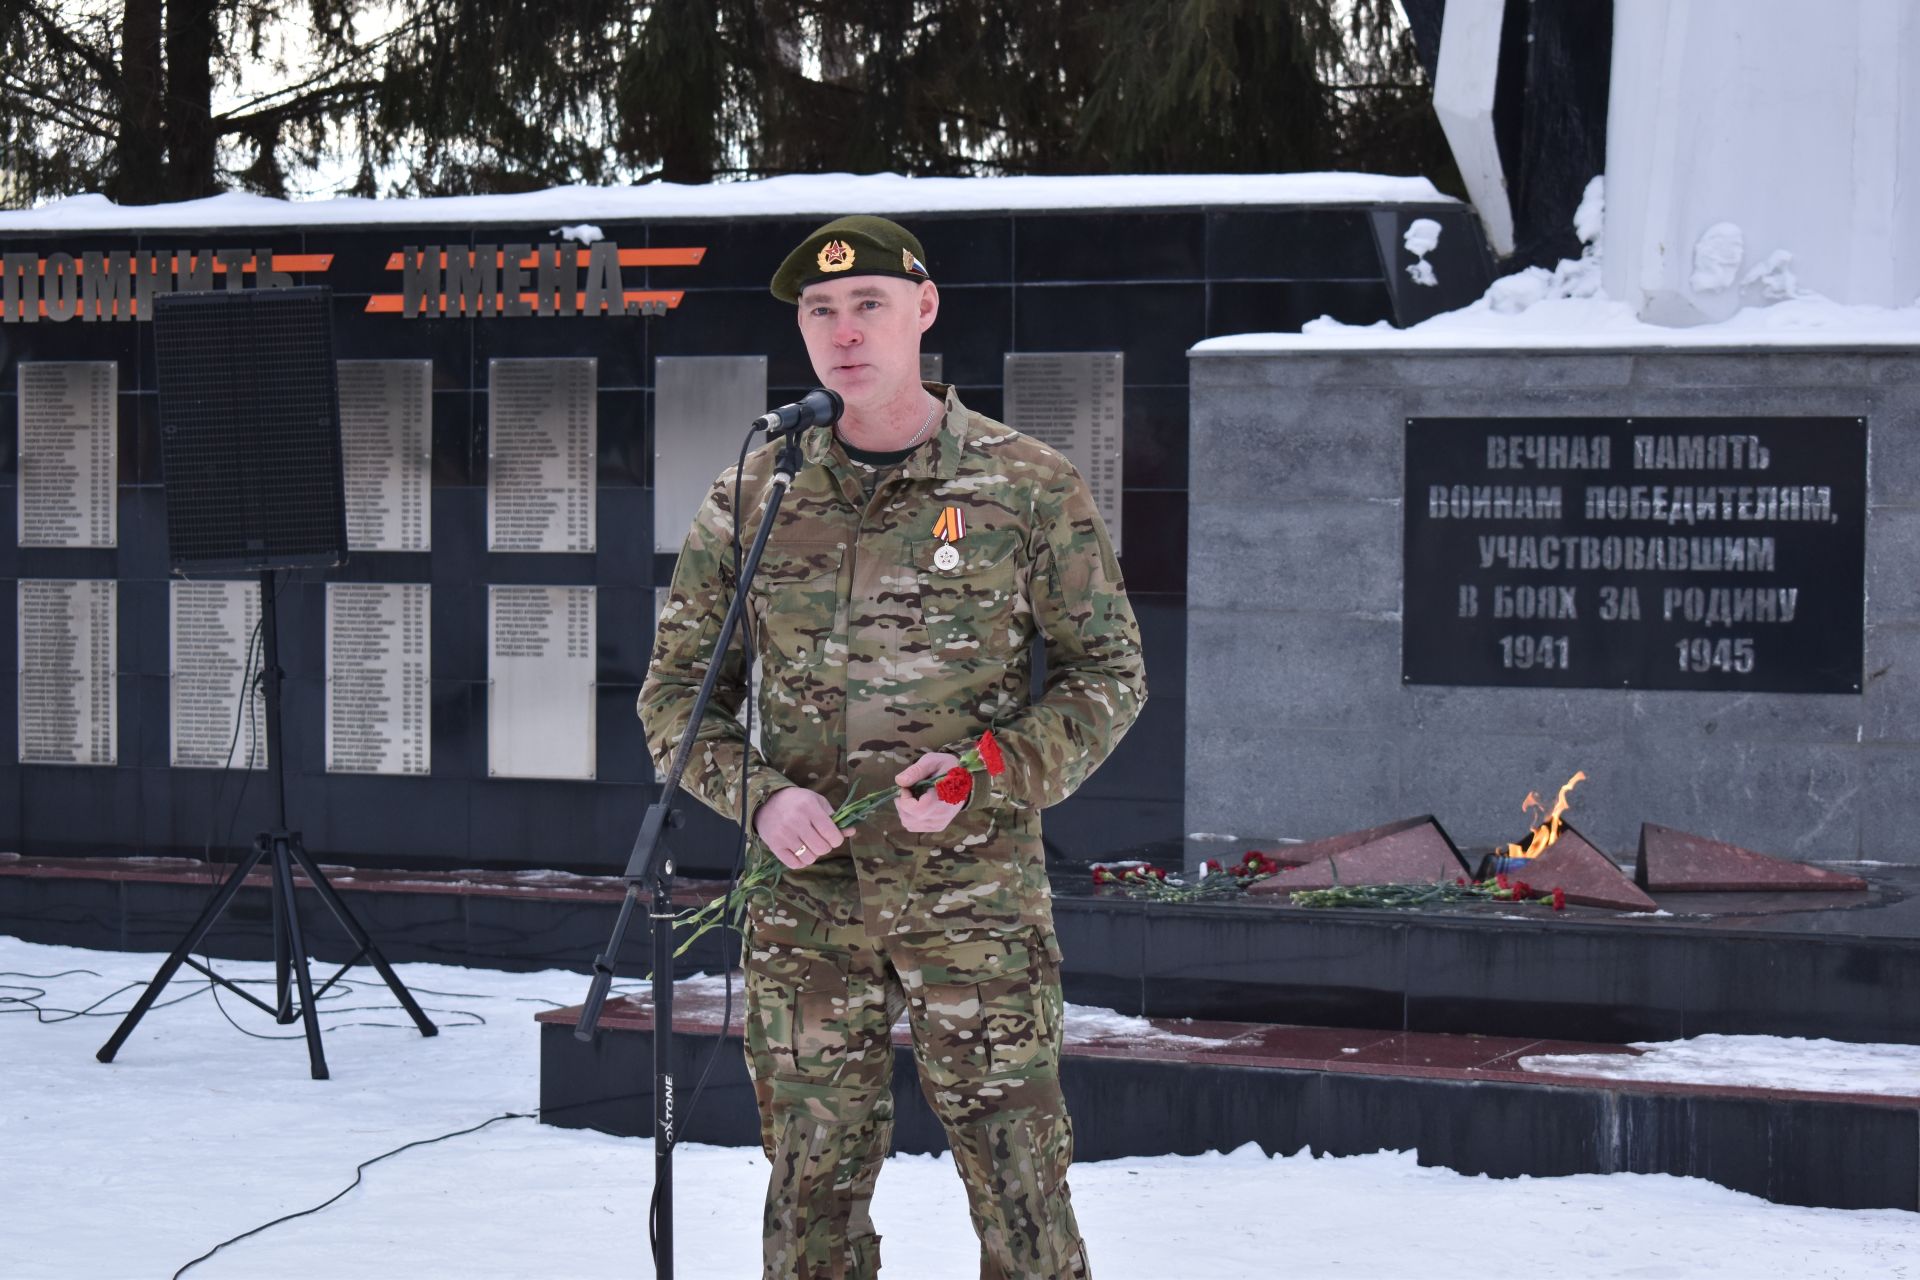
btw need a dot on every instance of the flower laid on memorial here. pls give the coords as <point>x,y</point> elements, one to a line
<point>1215,880</point>
<point>1254,866</point>
<point>1501,888</point>
<point>982,757</point>
<point>1127,873</point>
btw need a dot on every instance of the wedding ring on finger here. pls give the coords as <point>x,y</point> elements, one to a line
<point>801,850</point>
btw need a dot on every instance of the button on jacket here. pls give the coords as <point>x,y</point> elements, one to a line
<point>872,653</point>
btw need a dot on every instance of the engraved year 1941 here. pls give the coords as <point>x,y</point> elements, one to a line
<point>1526,652</point>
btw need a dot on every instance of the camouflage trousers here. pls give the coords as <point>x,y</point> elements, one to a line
<point>984,1009</point>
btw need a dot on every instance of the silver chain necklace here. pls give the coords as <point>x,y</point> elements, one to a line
<point>921,433</point>
<point>918,436</point>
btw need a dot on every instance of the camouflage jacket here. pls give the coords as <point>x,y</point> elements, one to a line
<point>871,655</point>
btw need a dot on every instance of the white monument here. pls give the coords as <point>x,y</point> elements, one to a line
<point>1756,146</point>
<point>1755,149</point>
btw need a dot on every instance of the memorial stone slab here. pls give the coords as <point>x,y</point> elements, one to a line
<point>1415,851</point>
<point>386,445</point>
<point>542,434</point>
<point>378,679</point>
<point>1295,855</point>
<point>68,453</point>
<point>215,661</point>
<point>1679,861</point>
<point>1588,876</point>
<point>69,708</point>
<point>1723,554</point>
<point>702,407</point>
<point>540,682</point>
<point>1073,401</point>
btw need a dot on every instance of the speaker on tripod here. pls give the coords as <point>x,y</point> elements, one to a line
<point>250,454</point>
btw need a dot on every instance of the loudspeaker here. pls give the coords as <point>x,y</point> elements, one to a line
<point>250,429</point>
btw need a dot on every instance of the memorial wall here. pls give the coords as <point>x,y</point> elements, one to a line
<point>1672,570</point>
<point>528,422</point>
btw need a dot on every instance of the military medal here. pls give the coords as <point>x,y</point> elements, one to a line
<point>950,528</point>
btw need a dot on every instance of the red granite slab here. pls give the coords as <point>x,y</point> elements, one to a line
<point>1406,853</point>
<point>1683,862</point>
<point>1510,1062</point>
<point>1298,855</point>
<point>1422,1054</point>
<point>551,886</point>
<point>1414,851</point>
<point>1588,876</point>
<point>1428,1049</point>
<point>1278,1043</point>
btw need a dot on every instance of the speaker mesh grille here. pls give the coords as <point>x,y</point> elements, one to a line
<point>250,429</point>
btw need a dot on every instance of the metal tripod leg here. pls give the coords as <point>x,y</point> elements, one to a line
<point>171,965</point>
<point>282,955</point>
<point>362,939</point>
<point>290,909</point>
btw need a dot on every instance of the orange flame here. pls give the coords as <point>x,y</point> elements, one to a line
<point>1547,830</point>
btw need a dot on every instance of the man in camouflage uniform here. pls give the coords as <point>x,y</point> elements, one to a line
<point>920,550</point>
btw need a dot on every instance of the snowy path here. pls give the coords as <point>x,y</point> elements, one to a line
<point>197,1133</point>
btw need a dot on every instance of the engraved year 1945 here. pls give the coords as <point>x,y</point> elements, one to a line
<point>1701,655</point>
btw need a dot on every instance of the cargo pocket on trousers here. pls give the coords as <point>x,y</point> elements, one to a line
<point>799,997</point>
<point>984,1014</point>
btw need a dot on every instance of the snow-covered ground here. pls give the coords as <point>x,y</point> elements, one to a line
<point>1758,1062</point>
<point>197,1133</point>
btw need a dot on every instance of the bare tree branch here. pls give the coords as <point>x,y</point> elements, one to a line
<point>307,103</point>
<point>100,122</point>
<point>359,55</point>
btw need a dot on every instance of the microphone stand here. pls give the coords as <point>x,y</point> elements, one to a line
<point>650,870</point>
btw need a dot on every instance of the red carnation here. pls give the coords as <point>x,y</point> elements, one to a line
<point>1522,890</point>
<point>955,786</point>
<point>990,757</point>
<point>1461,881</point>
<point>1501,880</point>
<point>1101,875</point>
<point>1559,898</point>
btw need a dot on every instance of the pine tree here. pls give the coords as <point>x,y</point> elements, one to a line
<point>454,96</point>
<point>118,97</point>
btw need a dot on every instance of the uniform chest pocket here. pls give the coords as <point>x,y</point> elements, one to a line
<point>969,594</point>
<point>795,601</point>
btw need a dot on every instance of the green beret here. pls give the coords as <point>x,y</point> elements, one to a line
<point>858,246</point>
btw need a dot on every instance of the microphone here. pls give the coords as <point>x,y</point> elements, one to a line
<point>819,407</point>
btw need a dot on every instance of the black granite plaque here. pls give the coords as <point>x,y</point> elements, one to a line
<point>1646,553</point>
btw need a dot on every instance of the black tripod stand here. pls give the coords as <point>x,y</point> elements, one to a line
<point>284,849</point>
